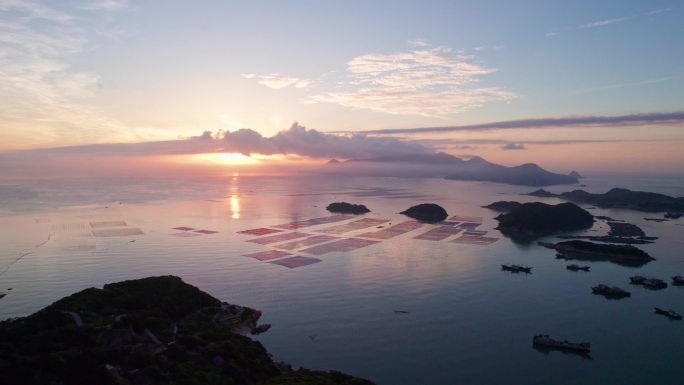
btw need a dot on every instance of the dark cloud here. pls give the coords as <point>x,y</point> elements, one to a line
<point>573,121</point>
<point>513,146</point>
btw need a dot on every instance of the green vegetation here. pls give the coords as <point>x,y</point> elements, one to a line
<point>156,330</point>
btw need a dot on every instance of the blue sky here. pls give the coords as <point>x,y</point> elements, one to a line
<point>107,71</point>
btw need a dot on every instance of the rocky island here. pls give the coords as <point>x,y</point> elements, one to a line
<point>534,220</point>
<point>503,206</point>
<point>426,212</point>
<point>347,208</point>
<point>583,250</point>
<point>156,330</point>
<point>619,198</point>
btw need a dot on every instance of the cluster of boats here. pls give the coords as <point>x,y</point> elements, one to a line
<point>651,283</point>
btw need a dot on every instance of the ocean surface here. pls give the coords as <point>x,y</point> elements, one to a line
<point>403,311</point>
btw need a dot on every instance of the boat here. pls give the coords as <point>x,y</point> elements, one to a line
<point>517,268</point>
<point>610,291</point>
<point>562,256</point>
<point>577,268</point>
<point>671,314</point>
<point>651,283</point>
<point>677,280</point>
<point>546,340</point>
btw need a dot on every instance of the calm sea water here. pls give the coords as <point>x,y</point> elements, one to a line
<point>467,322</point>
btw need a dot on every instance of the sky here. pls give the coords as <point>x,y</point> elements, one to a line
<point>589,85</point>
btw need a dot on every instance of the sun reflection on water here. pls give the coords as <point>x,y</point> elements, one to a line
<point>234,198</point>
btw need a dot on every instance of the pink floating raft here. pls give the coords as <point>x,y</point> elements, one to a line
<point>185,235</point>
<point>126,231</point>
<point>351,226</point>
<point>475,240</point>
<point>341,246</point>
<point>205,231</point>
<point>316,239</point>
<point>96,225</point>
<point>260,231</point>
<point>475,232</point>
<point>314,222</point>
<point>469,225</point>
<point>267,255</point>
<point>295,262</point>
<point>438,233</point>
<point>463,218</point>
<point>393,231</point>
<point>278,238</point>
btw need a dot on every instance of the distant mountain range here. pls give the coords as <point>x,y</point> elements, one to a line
<point>451,167</point>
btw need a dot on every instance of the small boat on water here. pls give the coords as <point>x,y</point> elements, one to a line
<point>562,256</point>
<point>577,268</point>
<point>651,283</point>
<point>677,280</point>
<point>671,314</point>
<point>517,268</point>
<point>546,340</point>
<point>610,291</point>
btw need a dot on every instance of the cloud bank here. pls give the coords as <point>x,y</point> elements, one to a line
<point>513,146</point>
<point>602,23</point>
<point>296,140</point>
<point>278,81</point>
<point>645,119</point>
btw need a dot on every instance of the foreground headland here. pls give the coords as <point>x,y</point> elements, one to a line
<point>156,330</point>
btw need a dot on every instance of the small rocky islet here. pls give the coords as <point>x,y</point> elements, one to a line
<point>426,212</point>
<point>347,208</point>
<point>156,330</point>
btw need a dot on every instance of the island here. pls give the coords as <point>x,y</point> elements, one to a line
<point>347,208</point>
<point>426,212</point>
<point>156,330</point>
<point>503,206</point>
<point>530,221</point>
<point>620,232</point>
<point>582,250</point>
<point>620,198</point>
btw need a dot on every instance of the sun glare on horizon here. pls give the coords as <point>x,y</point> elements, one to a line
<point>229,159</point>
